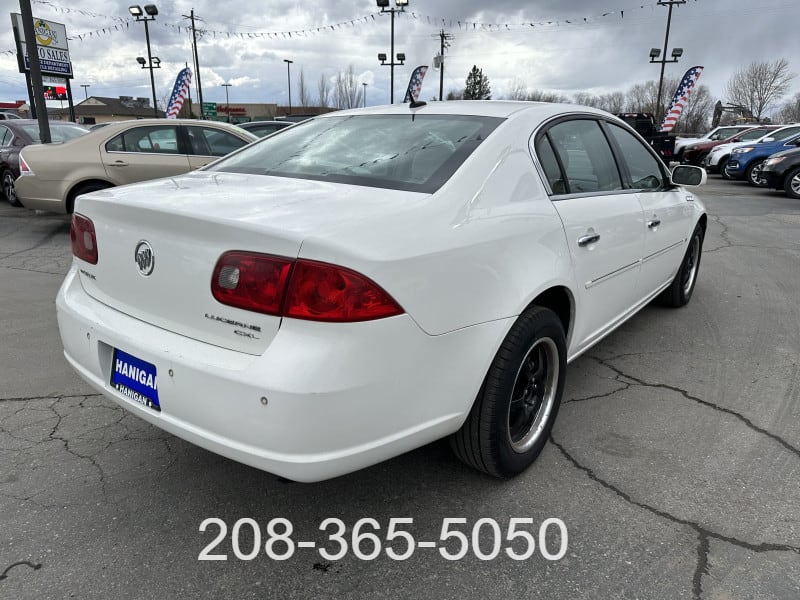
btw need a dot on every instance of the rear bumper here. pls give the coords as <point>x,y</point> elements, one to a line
<point>339,396</point>
<point>41,195</point>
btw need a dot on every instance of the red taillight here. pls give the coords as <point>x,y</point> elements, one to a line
<point>301,289</point>
<point>24,169</point>
<point>251,281</point>
<point>84,239</point>
<point>323,292</point>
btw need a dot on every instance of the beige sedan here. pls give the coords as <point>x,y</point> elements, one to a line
<point>53,175</point>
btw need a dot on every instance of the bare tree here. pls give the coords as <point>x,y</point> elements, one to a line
<point>324,90</point>
<point>697,112</point>
<point>759,85</point>
<point>790,111</point>
<point>517,90</point>
<point>303,93</point>
<point>346,89</point>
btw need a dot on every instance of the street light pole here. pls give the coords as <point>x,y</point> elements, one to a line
<point>664,61</point>
<point>227,102</point>
<point>151,11</point>
<point>400,7</point>
<point>365,93</point>
<point>289,80</point>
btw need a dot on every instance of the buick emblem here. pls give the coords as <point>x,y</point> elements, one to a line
<point>145,259</point>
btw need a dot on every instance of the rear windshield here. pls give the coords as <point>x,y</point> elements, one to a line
<point>403,152</point>
<point>58,133</point>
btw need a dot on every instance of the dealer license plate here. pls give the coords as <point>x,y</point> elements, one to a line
<point>135,378</point>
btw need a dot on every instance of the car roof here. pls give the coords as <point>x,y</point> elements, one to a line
<point>487,108</point>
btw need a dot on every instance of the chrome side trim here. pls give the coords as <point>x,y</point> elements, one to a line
<point>663,250</point>
<point>606,277</point>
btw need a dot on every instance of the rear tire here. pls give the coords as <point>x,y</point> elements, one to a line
<point>791,184</point>
<point>9,189</point>
<point>680,290</point>
<point>753,174</point>
<point>84,189</point>
<point>517,404</point>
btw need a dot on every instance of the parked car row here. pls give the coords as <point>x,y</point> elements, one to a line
<point>763,155</point>
<point>50,176</point>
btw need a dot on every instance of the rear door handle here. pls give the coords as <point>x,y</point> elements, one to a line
<point>119,163</point>
<point>653,223</point>
<point>590,238</point>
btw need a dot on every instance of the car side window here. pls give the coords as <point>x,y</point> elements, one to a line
<point>645,171</point>
<point>547,158</point>
<point>155,139</point>
<point>586,157</point>
<point>206,141</point>
<point>5,135</point>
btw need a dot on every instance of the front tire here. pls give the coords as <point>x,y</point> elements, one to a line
<point>9,189</point>
<point>791,184</point>
<point>517,404</point>
<point>723,168</point>
<point>680,290</point>
<point>753,174</point>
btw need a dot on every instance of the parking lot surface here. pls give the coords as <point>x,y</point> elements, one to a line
<point>674,462</point>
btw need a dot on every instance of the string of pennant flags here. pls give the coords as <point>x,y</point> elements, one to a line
<point>121,24</point>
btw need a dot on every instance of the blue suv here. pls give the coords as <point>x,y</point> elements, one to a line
<point>746,162</point>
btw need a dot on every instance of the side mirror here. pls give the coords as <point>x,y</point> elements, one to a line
<point>767,139</point>
<point>689,175</point>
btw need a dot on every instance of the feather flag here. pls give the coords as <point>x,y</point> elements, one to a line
<point>681,97</point>
<point>415,84</point>
<point>179,93</point>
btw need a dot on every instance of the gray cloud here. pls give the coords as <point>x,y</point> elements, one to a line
<point>599,55</point>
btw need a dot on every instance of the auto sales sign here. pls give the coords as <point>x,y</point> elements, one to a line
<point>51,42</point>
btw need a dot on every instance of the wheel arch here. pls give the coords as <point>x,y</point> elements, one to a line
<point>561,301</point>
<point>73,191</point>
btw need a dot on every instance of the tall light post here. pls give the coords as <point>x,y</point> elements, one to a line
<point>151,11</point>
<point>364,83</point>
<point>85,93</point>
<point>227,102</point>
<point>655,53</point>
<point>400,6</point>
<point>289,80</point>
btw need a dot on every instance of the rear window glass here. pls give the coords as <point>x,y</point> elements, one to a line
<point>405,152</point>
<point>58,133</point>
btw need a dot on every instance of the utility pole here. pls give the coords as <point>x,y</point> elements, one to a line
<point>196,61</point>
<point>86,93</point>
<point>664,61</point>
<point>444,38</point>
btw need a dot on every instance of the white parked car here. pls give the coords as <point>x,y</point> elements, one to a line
<point>372,280</point>
<point>716,160</point>
<point>718,133</point>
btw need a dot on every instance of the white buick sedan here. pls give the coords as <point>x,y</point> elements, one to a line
<point>370,281</point>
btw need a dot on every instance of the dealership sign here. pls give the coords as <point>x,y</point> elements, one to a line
<point>51,43</point>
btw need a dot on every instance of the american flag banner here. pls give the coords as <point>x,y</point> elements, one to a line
<point>179,93</point>
<point>681,97</point>
<point>415,84</point>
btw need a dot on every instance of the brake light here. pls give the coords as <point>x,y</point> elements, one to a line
<point>83,238</point>
<point>251,281</point>
<point>322,292</point>
<point>24,169</point>
<point>301,289</point>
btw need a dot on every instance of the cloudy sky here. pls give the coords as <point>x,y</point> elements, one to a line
<point>561,46</point>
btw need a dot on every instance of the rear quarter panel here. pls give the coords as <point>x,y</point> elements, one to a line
<point>480,249</point>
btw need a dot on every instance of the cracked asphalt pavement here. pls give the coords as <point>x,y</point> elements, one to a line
<point>674,463</point>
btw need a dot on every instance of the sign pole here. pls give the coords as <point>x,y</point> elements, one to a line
<point>71,104</point>
<point>36,72</point>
